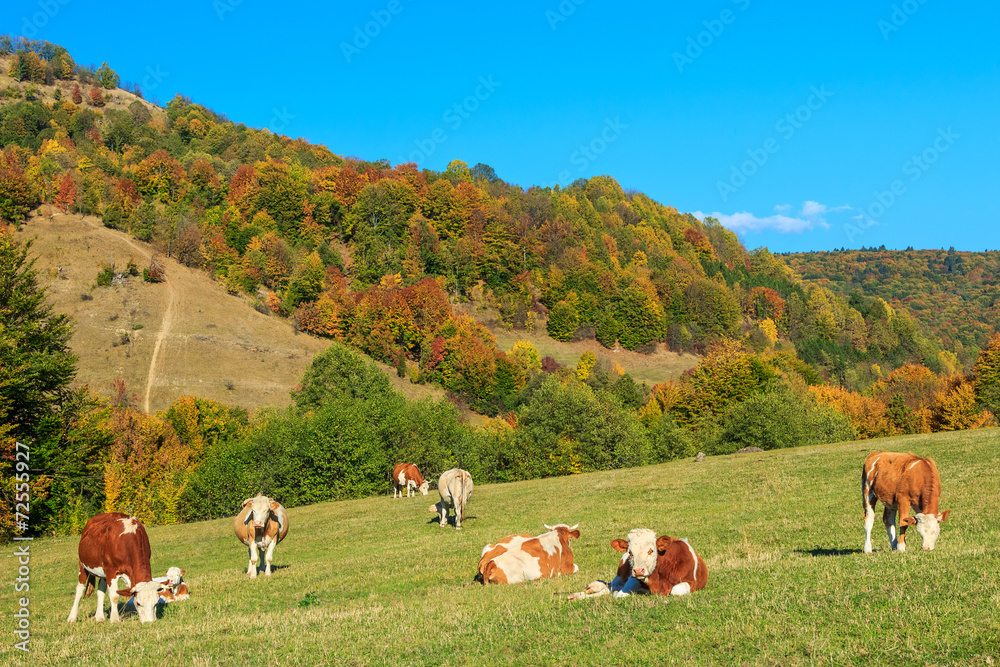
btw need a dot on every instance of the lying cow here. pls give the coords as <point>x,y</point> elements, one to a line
<point>176,587</point>
<point>407,476</point>
<point>651,565</point>
<point>521,558</point>
<point>261,524</point>
<point>115,545</point>
<point>901,481</point>
<point>455,487</point>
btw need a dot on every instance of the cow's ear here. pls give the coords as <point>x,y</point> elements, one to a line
<point>126,592</point>
<point>575,534</point>
<point>182,572</point>
<point>944,515</point>
<point>662,543</point>
<point>619,545</point>
<point>246,502</point>
<point>907,521</point>
<point>274,505</point>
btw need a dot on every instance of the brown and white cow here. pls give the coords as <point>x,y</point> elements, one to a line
<point>651,565</point>
<point>902,481</point>
<point>115,545</point>
<point>176,589</point>
<point>407,476</point>
<point>455,487</point>
<point>261,524</point>
<point>521,558</point>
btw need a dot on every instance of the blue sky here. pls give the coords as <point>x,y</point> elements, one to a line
<point>802,126</point>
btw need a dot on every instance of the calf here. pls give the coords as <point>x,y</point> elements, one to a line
<point>521,558</point>
<point>115,545</point>
<point>261,524</point>
<point>407,476</point>
<point>651,565</point>
<point>455,487</point>
<point>176,587</point>
<point>901,481</point>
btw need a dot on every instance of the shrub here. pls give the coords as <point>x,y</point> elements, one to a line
<point>105,275</point>
<point>776,418</point>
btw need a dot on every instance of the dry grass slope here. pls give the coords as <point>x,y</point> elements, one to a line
<point>376,581</point>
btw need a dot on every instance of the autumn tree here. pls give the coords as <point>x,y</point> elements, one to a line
<point>96,97</point>
<point>77,95</point>
<point>67,193</point>
<point>987,376</point>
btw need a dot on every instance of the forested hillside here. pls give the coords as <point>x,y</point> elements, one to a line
<point>952,293</point>
<point>390,260</point>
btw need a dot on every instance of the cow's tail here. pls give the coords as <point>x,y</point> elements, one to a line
<point>90,586</point>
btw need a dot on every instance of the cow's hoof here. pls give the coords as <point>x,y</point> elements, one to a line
<point>867,550</point>
<point>98,619</point>
<point>458,528</point>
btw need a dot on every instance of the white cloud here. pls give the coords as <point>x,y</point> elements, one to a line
<point>812,215</point>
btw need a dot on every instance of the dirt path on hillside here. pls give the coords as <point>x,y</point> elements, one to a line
<point>168,314</point>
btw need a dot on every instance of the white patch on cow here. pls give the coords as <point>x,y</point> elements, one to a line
<point>130,525</point>
<point>682,588</point>
<point>402,478</point>
<point>872,469</point>
<point>694,557</point>
<point>96,571</point>
<point>642,551</point>
<point>913,464</point>
<point>549,542</point>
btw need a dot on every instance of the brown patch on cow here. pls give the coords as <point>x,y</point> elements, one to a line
<point>676,563</point>
<point>101,546</point>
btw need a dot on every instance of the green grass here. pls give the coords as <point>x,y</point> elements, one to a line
<point>376,581</point>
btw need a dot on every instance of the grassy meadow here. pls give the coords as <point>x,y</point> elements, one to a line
<point>376,581</point>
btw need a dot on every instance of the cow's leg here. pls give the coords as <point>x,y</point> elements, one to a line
<point>594,589</point>
<point>81,587</point>
<point>112,586</point>
<point>868,500</point>
<point>268,556</point>
<point>904,511</point>
<point>889,519</point>
<point>459,512</point>
<point>252,567</point>
<point>444,514</point>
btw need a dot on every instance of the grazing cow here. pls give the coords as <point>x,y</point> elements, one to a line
<point>115,545</point>
<point>521,558</point>
<point>901,481</point>
<point>261,524</point>
<point>455,487</point>
<point>407,476</point>
<point>176,587</point>
<point>651,565</point>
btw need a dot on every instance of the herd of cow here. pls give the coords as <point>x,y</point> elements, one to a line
<point>115,545</point>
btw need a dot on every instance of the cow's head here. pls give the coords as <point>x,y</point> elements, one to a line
<point>147,594</point>
<point>928,525</point>
<point>571,531</point>
<point>424,487</point>
<point>642,549</point>
<point>174,576</point>
<point>262,509</point>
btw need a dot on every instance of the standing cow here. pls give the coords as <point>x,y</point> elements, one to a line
<point>901,481</point>
<point>455,487</point>
<point>658,565</point>
<point>407,476</point>
<point>521,558</point>
<point>115,545</point>
<point>261,524</point>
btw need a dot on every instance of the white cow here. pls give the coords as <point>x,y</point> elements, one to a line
<point>455,487</point>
